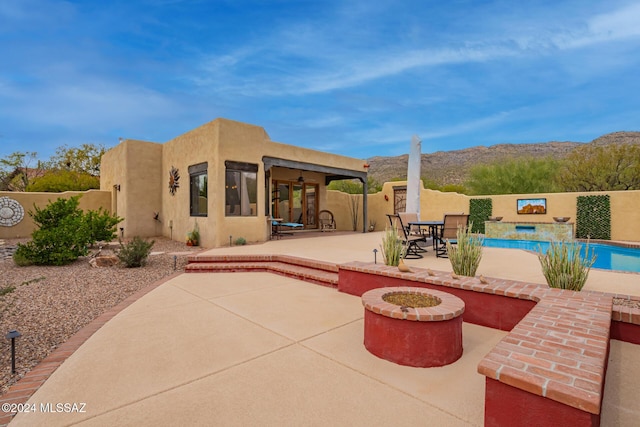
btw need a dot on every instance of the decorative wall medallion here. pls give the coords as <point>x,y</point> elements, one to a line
<point>174,178</point>
<point>11,212</point>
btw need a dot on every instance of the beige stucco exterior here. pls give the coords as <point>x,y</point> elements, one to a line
<point>141,169</point>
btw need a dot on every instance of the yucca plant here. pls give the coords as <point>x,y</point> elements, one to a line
<point>563,267</point>
<point>466,254</point>
<point>392,248</point>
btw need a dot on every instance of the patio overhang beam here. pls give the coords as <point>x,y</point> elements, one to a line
<point>333,174</point>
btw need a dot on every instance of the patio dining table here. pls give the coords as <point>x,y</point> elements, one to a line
<point>434,227</point>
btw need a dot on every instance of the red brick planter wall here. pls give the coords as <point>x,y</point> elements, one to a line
<point>420,337</point>
<point>509,406</point>
<point>485,309</point>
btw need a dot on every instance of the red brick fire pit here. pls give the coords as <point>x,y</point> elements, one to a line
<point>421,336</point>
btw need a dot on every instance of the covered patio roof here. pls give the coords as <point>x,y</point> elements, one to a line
<point>332,174</point>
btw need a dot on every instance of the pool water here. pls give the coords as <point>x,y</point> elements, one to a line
<point>608,257</point>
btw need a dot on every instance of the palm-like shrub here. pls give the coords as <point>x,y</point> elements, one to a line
<point>392,248</point>
<point>466,254</point>
<point>563,267</point>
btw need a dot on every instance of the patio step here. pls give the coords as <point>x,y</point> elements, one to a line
<point>318,272</point>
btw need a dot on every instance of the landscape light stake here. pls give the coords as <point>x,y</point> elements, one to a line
<point>375,256</point>
<point>12,335</point>
<point>175,261</point>
<point>230,240</point>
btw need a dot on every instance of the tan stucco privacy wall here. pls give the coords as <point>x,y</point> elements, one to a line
<point>625,207</point>
<point>89,200</point>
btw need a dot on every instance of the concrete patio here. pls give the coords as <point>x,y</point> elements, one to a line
<point>262,349</point>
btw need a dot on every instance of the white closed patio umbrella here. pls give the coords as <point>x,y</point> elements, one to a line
<point>413,176</point>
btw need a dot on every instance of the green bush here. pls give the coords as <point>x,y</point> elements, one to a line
<point>64,233</point>
<point>136,252</point>
<point>20,259</point>
<point>240,241</point>
<point>466,254</point>
<point>563,267</point>
<point>392,248</point>
<point>101,225</point>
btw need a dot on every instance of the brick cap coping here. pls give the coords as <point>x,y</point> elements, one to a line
<point>449,308</point>
<point>509,288</point>
<point>288,259</point>
<point>558,350</point>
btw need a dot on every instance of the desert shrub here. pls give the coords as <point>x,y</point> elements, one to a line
<point>240,241</point>
<point>392,248</point>
<point>563,267</point>
<point>101,225</point>
<point>136,252</point>
<point>64,233</point>
<point>21,260</point>
<point>466,254</point>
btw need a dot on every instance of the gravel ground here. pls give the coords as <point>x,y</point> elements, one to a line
<point>50,304</point>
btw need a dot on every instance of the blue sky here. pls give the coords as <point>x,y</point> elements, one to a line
<point>351,77</point>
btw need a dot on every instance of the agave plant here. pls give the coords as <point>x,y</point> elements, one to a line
<point>466,254</point>
<point>563,267</point>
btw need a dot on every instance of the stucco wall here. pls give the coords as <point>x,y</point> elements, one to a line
<point>134,166</point>
<point>215,142</point>
<point>625,207</point>
<point>192,148</point>
<point>89,200</point>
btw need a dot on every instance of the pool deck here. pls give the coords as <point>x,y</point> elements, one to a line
<point>262,349</point>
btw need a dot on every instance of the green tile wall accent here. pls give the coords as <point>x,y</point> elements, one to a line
<point>594,217</point>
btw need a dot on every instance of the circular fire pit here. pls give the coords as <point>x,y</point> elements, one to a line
<point>413,326</point>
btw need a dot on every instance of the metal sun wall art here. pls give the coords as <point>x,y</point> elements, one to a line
<point>11,212</point>
<point>174,178</point>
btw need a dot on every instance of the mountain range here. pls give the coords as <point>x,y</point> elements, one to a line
<point>452,167</point>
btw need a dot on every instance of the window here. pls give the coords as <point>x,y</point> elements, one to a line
<point>241,188</point>
<point>198,189</point>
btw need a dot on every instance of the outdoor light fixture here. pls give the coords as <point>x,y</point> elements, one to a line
<point>375,256</point>
<point>230,237</point>
<point>122,232</point>
<point>12,335</point>
<point>300,179</point>
<point>116,187</point>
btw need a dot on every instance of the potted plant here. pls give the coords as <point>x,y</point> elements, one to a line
<point>193,237</point>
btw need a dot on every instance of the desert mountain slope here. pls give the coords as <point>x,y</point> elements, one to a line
<point>452,167</point>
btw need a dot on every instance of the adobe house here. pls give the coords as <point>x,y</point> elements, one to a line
<point>226,176</point>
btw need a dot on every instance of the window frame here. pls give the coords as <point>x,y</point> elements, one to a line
<point>195,173</point>
<point>240,168</point>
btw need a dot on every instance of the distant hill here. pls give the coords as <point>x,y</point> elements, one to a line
<point>452,167</point>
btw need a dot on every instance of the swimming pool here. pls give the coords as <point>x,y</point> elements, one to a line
<point>608,257</point>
